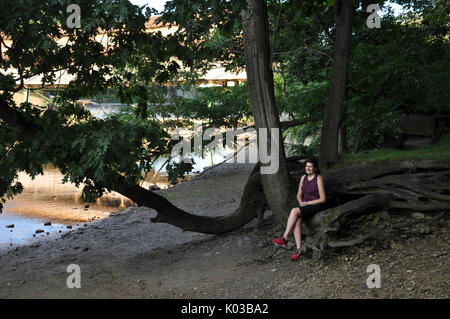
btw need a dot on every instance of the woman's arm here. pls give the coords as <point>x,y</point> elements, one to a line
<point>299,193</point>
<point>321,188</point>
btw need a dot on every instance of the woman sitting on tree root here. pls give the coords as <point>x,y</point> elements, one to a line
<point>311,197</point>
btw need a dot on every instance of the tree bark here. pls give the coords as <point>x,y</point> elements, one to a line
<point>342,146</point>
<point>404,186</point>
<point>278,188</point>
<point>343,11</point>
<point>342,141</point>
<point>252,203</point>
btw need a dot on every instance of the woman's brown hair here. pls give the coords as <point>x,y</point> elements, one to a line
<point>315,164</point>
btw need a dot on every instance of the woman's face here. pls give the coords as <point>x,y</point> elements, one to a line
<point>309,168</point>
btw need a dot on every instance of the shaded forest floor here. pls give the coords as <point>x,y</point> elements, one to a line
<point>127,256</point>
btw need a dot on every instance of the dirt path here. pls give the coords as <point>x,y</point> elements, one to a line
<point>126,256</point>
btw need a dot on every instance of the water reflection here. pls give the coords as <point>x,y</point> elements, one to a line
<point>16,230</point>
<point>46,197</point>
<point>49,205</point>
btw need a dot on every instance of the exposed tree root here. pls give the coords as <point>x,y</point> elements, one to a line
<point>408,186</point>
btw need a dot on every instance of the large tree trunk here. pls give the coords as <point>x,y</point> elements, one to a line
<point>406,185</point>
<point>343,11</point>
<point>279,189</point>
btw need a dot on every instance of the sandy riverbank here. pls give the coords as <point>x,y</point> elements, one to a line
<point>127,256</point>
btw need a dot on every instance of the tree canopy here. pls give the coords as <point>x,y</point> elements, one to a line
<point>317,56</point>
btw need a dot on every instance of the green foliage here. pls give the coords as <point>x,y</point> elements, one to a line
<point>400,68</point>
<point>397,69</point>
<point>298,99</point>
<point>219,106</point>
<point>91,151</point>
<point>439,150</point>
<point>210,31</point>
<point>178,171</point>
<point>87,150</point>
<point>34,28</point>
<point>301,101</point>
<point>8,173</point>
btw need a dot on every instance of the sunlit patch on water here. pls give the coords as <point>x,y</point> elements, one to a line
<point>18,230</point>
<point>65,208</point>
<point>46,200</point>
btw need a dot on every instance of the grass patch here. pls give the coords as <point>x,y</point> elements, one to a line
<point>436,151</point>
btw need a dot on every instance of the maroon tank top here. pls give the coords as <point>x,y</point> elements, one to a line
<point>310,191</point>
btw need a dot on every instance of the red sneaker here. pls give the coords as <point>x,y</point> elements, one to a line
<point>295,256</point>
<point>280,241</point>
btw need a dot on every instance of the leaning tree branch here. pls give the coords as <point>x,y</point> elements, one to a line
<point>387,185</point>
<point>252,202</point>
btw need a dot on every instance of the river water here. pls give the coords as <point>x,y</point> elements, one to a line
<point>49,207</point>
<point>46,206</point>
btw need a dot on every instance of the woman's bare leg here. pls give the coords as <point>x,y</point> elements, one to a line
<point>298,233</point>
<point>293,217</point>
